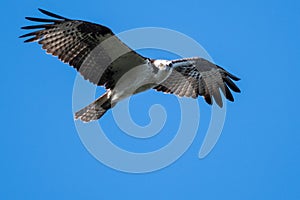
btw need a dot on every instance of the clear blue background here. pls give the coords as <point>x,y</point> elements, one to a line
<point>257,156</point>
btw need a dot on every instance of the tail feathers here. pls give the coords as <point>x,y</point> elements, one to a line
<point>95,110</point>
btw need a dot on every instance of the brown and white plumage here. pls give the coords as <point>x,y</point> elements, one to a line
<point>77,43</point>
<point>196,76</point>
<point>104,60</point>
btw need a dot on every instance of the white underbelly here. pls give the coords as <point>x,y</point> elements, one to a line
<point>134,79</point>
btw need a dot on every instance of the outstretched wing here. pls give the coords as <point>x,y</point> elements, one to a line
<point>90,48</point>
<point>196,76</point>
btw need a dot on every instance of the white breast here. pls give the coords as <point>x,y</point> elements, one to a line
<point>142,75</point>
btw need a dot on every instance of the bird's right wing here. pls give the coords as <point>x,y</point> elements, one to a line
<point>90,48</point>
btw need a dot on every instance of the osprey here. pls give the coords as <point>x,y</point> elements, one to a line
<point>103,59</point>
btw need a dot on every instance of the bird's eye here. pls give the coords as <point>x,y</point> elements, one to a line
<point>171,65</point>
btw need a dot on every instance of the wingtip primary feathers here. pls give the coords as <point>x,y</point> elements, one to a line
<point>34,19</point>
<point>233,77</point>
<point>50,14</point>
<point>50,24</point>
<point>231,84</point>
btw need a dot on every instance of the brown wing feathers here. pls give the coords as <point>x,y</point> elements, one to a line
<point>72,41</point>
<point>196,76</point>
<point>85,46</point>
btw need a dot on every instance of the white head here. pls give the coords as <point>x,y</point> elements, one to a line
<point>162,64</point>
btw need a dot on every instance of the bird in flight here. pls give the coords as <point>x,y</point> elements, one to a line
<point>103,59</point>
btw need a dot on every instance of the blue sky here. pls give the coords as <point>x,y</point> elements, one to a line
<point>257,155</point>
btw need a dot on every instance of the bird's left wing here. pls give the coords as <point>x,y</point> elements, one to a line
<point>197,76</point>
<point>92,49</point>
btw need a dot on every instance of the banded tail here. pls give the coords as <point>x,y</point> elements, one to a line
<point>95,110</point>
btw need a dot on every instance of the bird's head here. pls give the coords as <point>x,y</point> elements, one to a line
<point>162,64</point>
